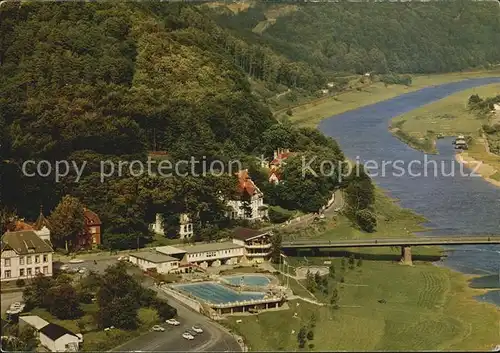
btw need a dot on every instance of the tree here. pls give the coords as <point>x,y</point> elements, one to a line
<point>310,282</point>
<point>25,341</point>
<point>165,311</point>
<point>35,295</point>
<point>342,264</point>
<point>310,335</point>
<point>331,270</point>
<point>334,298</point>
<point>63,302</point>
<point>360,262</point>
<point>366,220</point>
<point>351,261</point>
<point>302,336</point>
<point>276,240</point>
<point>317,279</point>
<point>67,223</point>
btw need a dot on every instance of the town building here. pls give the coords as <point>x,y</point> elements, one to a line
<point>91,233</point>
<point>250,202</point>
<point>257,243</point>
<point>185,230</point>
<point>279,160</point>
<point>58,339</point>
<point>24,255</point>
<point>247,246</point>
<point>154,260</point>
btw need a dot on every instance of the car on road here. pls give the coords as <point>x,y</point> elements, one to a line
<point>188,336</point>
<point>158,328</point>
<point>173,322</point>
<point>197,329</point>
<point>191,332</point>
<point>64,268</point>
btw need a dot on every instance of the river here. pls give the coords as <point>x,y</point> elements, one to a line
<point>453,201</point>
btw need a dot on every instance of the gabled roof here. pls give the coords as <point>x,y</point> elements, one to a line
<point>54,331</point>
<point>91,218</point>
<point>241,233</point>
<point>35,321</point>
<point>41,221</point>
<point>246,184</point>
<point>24,241</point>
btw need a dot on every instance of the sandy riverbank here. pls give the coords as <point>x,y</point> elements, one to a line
<point>484,169</point>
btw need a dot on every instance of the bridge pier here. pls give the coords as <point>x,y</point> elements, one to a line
<point>406,256</point>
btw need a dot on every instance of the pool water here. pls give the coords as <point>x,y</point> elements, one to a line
<point>216,293</point>
<point>248,280</point>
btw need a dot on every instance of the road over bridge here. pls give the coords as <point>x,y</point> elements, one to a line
<point>404,243</point>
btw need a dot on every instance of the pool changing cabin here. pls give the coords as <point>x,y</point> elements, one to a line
<point>247,246</point>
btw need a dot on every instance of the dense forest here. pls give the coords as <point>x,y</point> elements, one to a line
<point>95,81</point>
<point>402,37</point>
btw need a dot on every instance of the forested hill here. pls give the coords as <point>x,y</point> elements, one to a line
<point>92,81</point>
<point>409,37</point>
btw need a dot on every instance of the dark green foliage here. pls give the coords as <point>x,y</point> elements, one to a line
<point>302,337</point>
<point>310,335</point>
<point>165,311</point>
<point>387,37</point>
<point>366,220</point>
<point>63,302</point>
<point>276,240</point>
<point>20,282</point>
<point>351,261</point>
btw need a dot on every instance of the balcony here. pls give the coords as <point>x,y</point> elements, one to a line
<point>258,246</point>
<point>259,254</point>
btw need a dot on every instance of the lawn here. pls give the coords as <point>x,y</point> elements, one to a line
<point>427,308</point>
<point>99,340</point>
<point>311,114</point>
<point>392,220</point>
<point>448,116</point>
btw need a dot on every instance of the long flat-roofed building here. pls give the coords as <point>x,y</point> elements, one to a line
<point>154,259</point>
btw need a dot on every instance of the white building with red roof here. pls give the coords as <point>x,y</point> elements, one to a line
<point>279,158</point>
<point>250,202</point>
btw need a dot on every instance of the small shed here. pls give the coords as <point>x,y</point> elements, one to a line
<point>59,339</point>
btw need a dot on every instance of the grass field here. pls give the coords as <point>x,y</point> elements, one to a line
<point>311,114</point>
<point>427,308</point>
<point>448,116</point>
<point>392,220</point>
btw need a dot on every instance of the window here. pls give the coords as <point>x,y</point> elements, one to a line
<point>45,270</point>
<point>7,262</point>
<point>28,271</point>
<point>21,272</point>
<point>28,260</point>
<point>7,274</point>
<point>45,258</point>
<point>93,230</point>
<point>37,270</point>
<point>37,259</point>
<point>94,239</point>
<point>21,260</point>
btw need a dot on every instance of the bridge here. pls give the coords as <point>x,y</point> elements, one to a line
<point>404,243</point>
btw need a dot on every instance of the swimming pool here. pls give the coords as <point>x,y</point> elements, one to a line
<point>248,280</point>
<point>216,293</point>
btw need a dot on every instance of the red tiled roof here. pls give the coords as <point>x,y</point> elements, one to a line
<point>245,183</point>
<point>281,157</point>
<point>21,225</point>
<point>91,218</point>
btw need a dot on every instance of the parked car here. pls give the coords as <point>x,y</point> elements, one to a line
<point>158,328</point>
<point>191,332</point>
<point>173,322</point>
<point>197,329</point>
<point>188,336</point>
<point>64,268</point>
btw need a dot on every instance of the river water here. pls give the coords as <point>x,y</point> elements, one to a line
<point>435,186</point>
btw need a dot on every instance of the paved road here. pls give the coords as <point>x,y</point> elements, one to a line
<point>214,337</point>
<point>9,298</point>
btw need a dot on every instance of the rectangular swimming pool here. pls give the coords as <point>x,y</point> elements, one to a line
<point>217,294</point>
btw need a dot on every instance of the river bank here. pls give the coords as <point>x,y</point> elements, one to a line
<point>486,171</point>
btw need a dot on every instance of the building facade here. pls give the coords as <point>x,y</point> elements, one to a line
<point>149,260</point>
<point>185,230</point>
<point>24,255</point>
<point>250,202</point>
<point>256,243</point>
<point>58,339</point>
<point>91,233</point>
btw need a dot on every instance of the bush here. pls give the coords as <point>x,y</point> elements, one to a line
<point>20,282</point>
<point>289,112</point>
<point>279,215</point>
<point>366,220</point>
